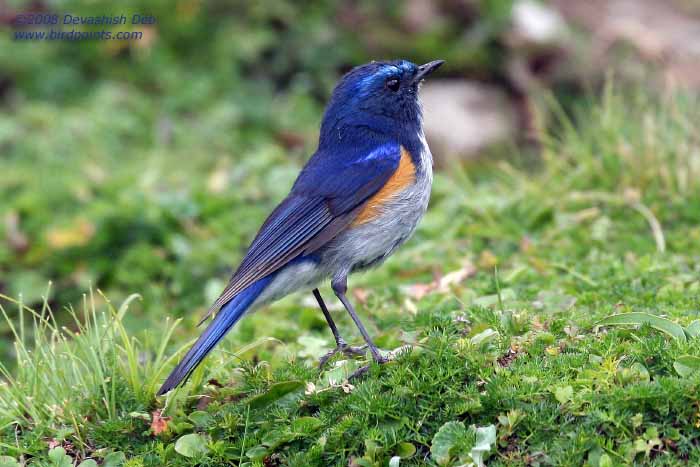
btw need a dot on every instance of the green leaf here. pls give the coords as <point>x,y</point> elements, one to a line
<point>372,448</point>
<point>453,439</point>
<point>275,393</point>
<point>142,415</point>
<point>446,440</point>
<point>693,329</point>
<point>638,319</point>
<point>487,335</point>
<point>687,365</point>
<point>88,463</point>
<point>7,461</point>
<point>485,438</point>
<point>257,453</point>
<point>635,373</point>
<point>114,459</point>
<point>563,394</point>
<point>59,458</point>
<point>339,373</point>
<point>191,445</point>
<point>605,461</point>
<point>486,301</point>
<point>311,346</point>
<point>405,450</point>
<point>201,418</point>
<point>306,425</point>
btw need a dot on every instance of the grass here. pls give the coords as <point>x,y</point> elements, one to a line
<point>494,311</point>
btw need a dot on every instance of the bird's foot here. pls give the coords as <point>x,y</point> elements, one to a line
<point>345,349</point>
<point>379,359</point>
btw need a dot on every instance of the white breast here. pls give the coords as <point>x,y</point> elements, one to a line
<point>371,243</point>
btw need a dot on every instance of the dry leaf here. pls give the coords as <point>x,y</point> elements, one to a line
<point>78,234</point>
<point>487,260</point>
<point>418,291</point>
<point>15,237</point>
<point>360,295</point>
<point>526,244</point>
<point>159,424</point>
<point>455,277</point>
<point>442,284</point>
<point>203,402</point>
<point>219,179</point>
<point>410,306</point>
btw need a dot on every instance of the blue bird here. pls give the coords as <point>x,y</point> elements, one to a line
<point>359,197</point>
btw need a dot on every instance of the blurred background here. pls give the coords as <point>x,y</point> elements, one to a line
<point>146,166</point>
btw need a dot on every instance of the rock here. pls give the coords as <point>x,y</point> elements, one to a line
<point>464,118</point>
<point>665,35</point>
<point>537,24</point>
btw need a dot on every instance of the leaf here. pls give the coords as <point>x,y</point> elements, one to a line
<point>487,335</point>
<point>256,453</point>
<point>453,439</point>
<point>59,458</point>
<point>485,438</point>
<point>275,393</point>
<point>77,234</point>
<point>447,438</point>
<point>7,461</point>
<point>304,426</point>
<point>88,463</point>
<point>605,461</point>
<point>159,424</point>
<point>141,415</point>
<point>444,283</point>
<point>693,329</point>
<point>340,372</point>
<point>687,365</point>
<point>362,463</point>
<point>486,301</point>
<point>638,319</point>
<point>201,418</point>
<point>372,449</point>
<point>563,394</point>
<point>312,347</point>
<point>114,459</point>
<point>191,445</point>
<point>405,450</point>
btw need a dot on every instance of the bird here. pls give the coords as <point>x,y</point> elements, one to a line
<point>359,197</point>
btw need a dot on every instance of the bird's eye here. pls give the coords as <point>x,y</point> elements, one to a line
<point>393,84</point>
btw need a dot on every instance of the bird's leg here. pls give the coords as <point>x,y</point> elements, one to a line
<point>340,287</point>
<point>340,344</point>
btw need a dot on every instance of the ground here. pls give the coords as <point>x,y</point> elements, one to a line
<point>498,315</point>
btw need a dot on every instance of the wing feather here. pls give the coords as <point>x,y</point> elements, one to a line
<point>325,199</point>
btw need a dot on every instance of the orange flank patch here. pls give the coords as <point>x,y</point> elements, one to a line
<point>404,176</point>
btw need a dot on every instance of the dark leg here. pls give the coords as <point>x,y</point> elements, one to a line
<point>341,345</point>
<point>340,287</point>
<point>338,338</point>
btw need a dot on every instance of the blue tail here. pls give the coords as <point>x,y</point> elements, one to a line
<point>223,321</point>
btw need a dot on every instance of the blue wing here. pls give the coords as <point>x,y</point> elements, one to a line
<point>325,199</point>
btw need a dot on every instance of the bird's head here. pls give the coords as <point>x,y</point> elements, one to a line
<point>382,96</point>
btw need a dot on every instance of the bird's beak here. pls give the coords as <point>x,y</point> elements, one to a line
<point>425,70</point>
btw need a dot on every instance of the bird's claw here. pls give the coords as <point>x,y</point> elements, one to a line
<point>363,369</point>
<point>345,349</point>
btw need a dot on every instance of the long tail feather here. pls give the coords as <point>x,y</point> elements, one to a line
<point>223,321</point>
